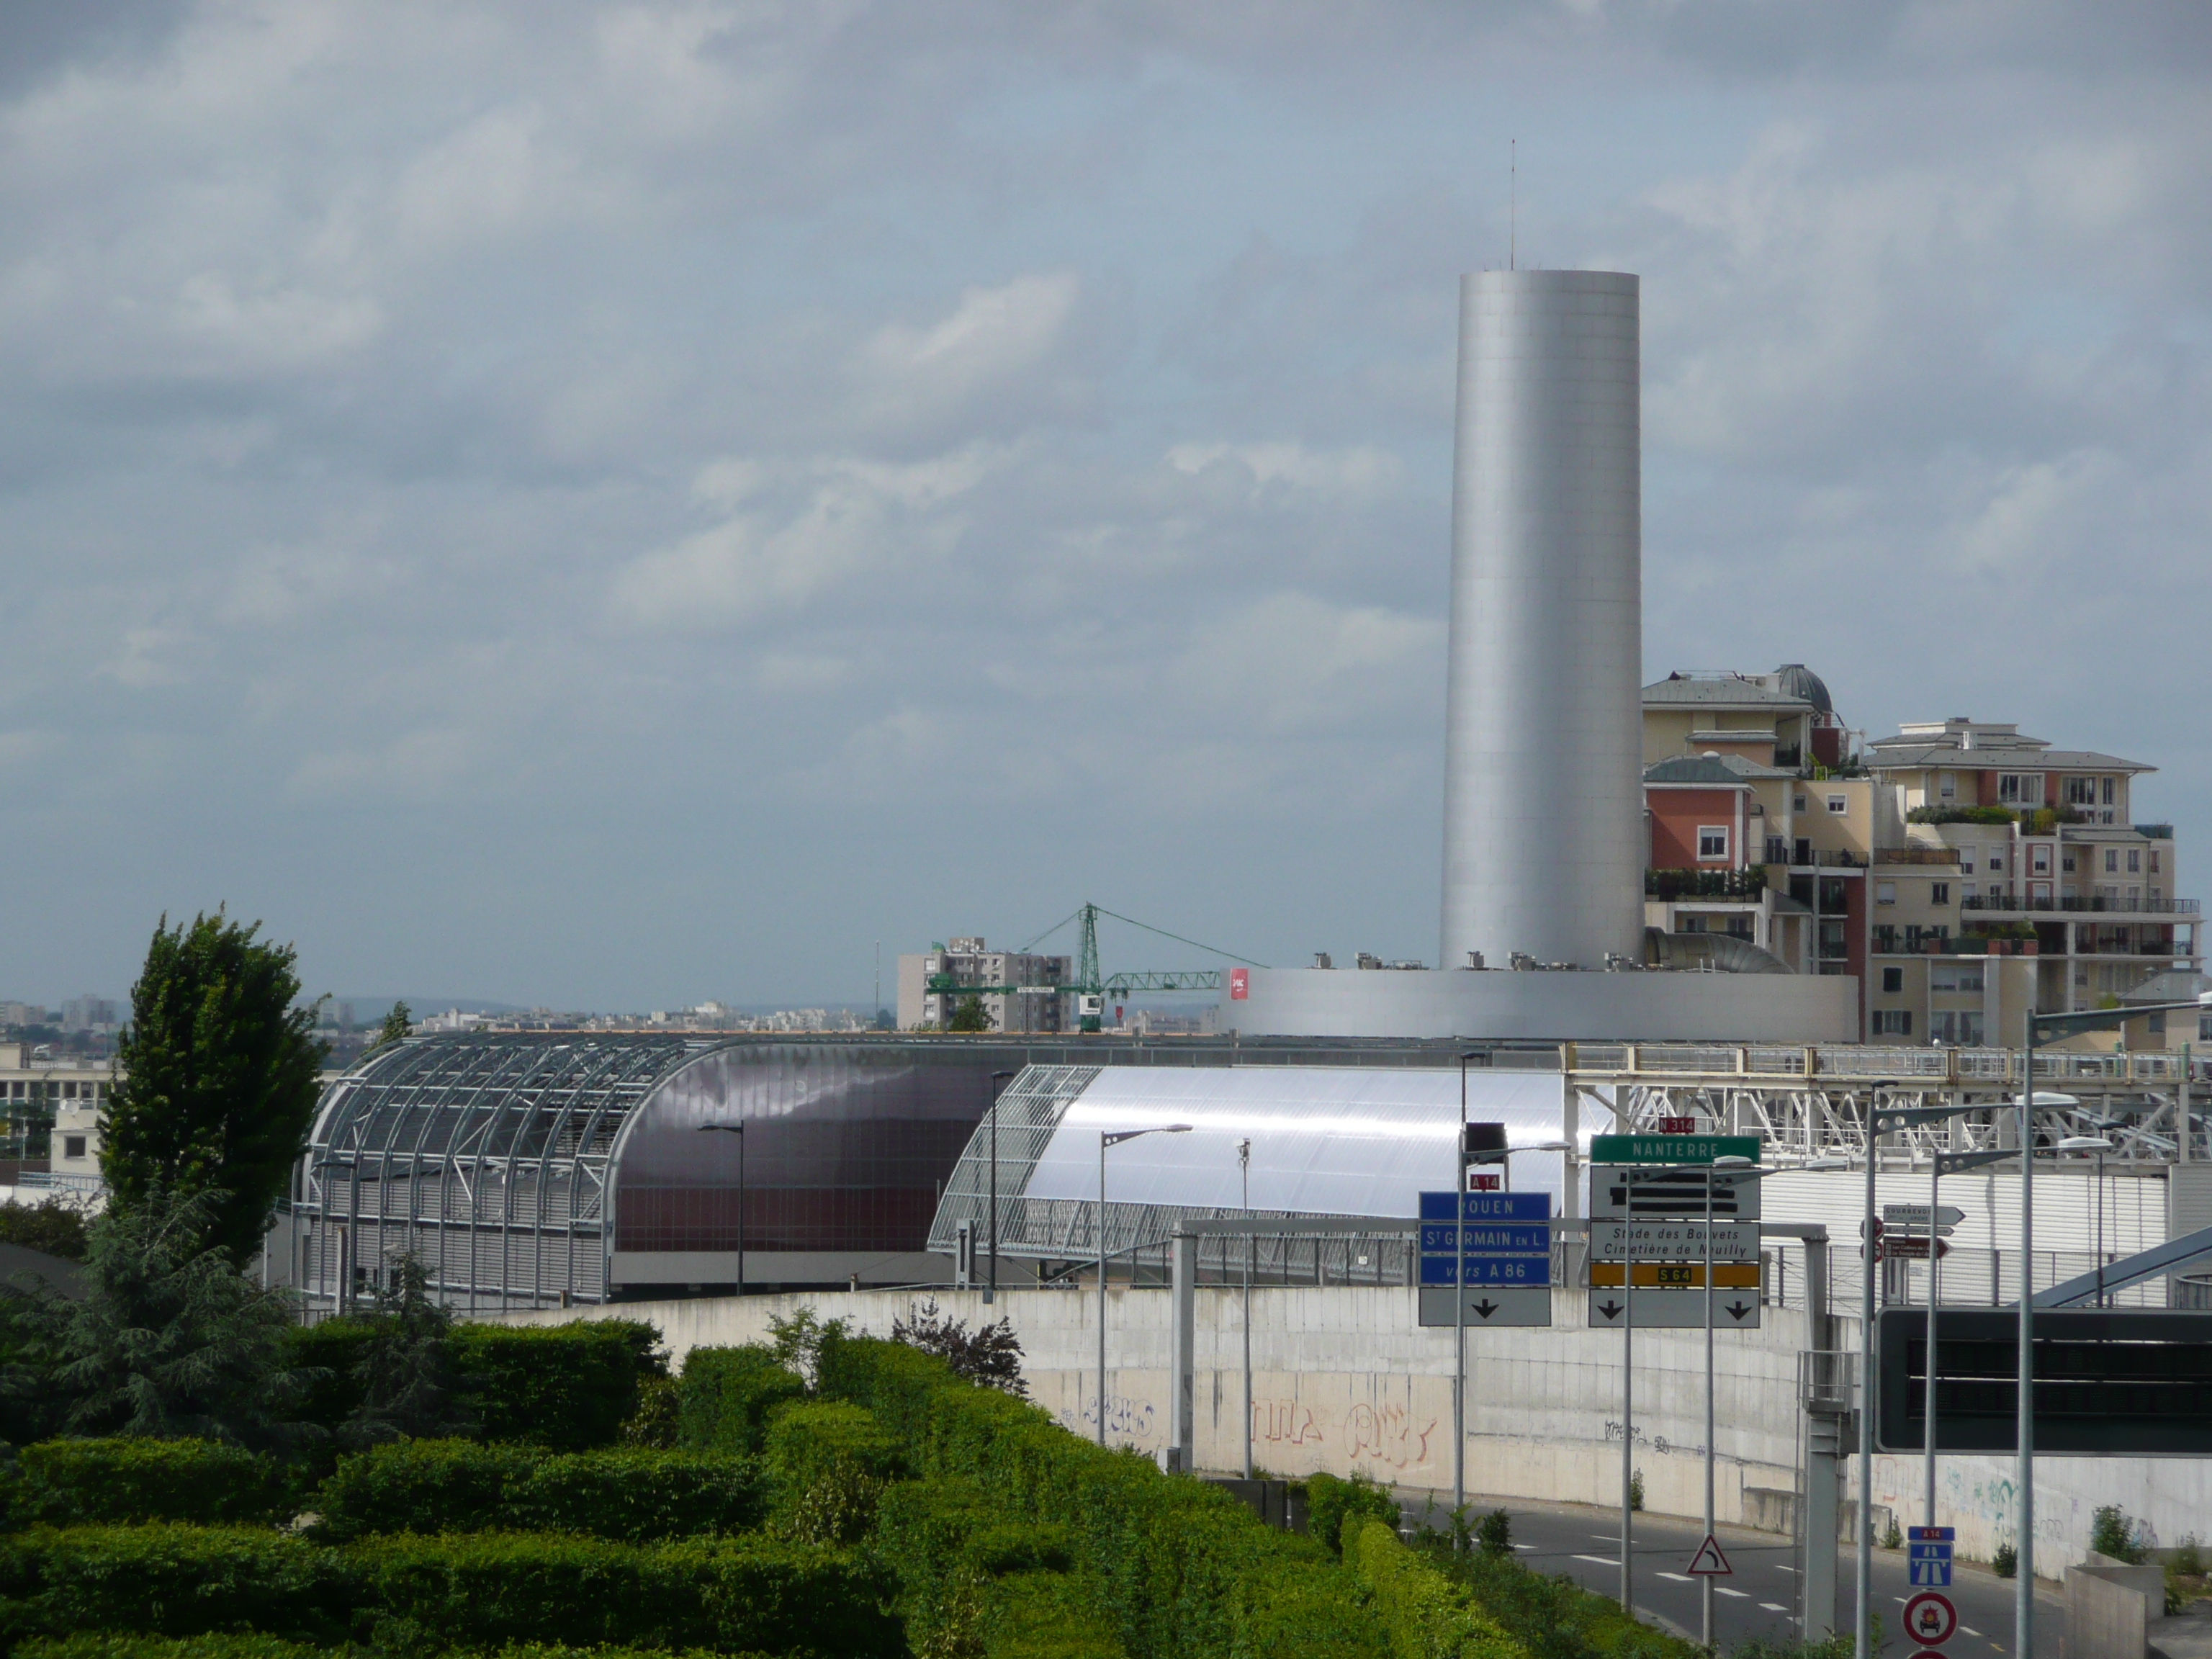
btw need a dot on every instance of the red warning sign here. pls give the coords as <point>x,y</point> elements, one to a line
<point>1931,1619</point>
<point>1709,1562</point>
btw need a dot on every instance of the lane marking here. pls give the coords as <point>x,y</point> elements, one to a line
<point>1600,1559</point>
<point>1722,1590</point>
<point>1777,1606</point>
<point>1969,1629</point>
<point>1683,1578</point>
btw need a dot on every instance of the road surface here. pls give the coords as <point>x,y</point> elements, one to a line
<point>1758,1599</point>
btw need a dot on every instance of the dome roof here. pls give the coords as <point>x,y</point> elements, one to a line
<point>1800,681</point>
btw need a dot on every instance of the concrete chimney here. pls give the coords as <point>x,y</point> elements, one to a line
<point>1543,732</point>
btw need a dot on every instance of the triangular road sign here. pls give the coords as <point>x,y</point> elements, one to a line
<point>1709,1562</point>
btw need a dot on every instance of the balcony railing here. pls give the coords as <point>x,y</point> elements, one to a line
<point>1669,884</point>
<point>2014,902</point>
<point>1916,855</point>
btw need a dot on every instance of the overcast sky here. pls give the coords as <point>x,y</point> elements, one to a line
<point>613,505</point>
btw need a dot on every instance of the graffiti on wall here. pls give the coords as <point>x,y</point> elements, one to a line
<point>1390,1434</point>
<point>1126,1416</point>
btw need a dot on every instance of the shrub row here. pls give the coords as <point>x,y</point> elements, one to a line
<point>969,1577</point>
<point>117,1644</point>
<point>1553,1617</point>
<point>1180,1568</point>
<point>1426,1615</point>
<point>67,1481</point>
<point>473,1590</point>
<point>634,1494</point>
<point>570,1387</point>
<point>724,1396</point>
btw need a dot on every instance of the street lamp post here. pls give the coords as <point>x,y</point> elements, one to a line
<point>991,1285</point>
<point>1251,1245</point>
<point>738,1130</point>
<point>1114,1138</point>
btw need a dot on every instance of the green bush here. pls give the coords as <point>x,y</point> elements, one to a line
<point>1045,1615</point>
<point>421,1485</point>
<point>1334,1507</point>
<point>629,1493</point>
<point>570,1387</point>
<point>724,1396</point>
<point>172,1579</point>
<point>330,1351</point>
<point>471,1590</point>
<point>828,1463</point>
<point>120,1645</point>
<point>1425,1614</point>
<point>1180,1568</point>
<point>638,1494</point>
<point>483,1589</point>
<point>1552,1617</point>
<point>2112,1532</point>
<point>971,1580</point>
<point>71,1482</point>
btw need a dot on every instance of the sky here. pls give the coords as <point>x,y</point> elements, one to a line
<point>612,505</point>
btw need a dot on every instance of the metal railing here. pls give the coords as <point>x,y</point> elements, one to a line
<point>2081,906</point>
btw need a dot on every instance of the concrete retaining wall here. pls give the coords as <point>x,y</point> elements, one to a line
<point>1345,1381</point>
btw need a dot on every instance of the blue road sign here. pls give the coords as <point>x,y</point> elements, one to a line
<point>1488,1206</point>
<point>1439,1238</point>
<point>1488,1269</point>
<point>1929,1562</point>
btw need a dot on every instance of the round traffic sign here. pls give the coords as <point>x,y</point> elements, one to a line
<point>1928,1653</point>
<point>1931,1619</point>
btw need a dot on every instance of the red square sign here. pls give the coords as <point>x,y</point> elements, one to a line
<point>1240,984</point>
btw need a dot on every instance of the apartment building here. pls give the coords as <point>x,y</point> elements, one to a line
<point>1963,873</point>
<point>51,1139</point>
<point>1019,988</point>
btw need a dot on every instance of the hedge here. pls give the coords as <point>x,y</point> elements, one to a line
<point>828,1462</point>
<point>1553,1617</point>
<point>631,1493</point>
<point>1332,1504</point>
<point>570,1387</point>
<point>1426,1615</point>
<point>1181,1567</point>
<point>68,1482</point>
<point>478,1590</point>
<point>119,1644</point>
<point>724,1396</point>
<point>421,1485</point>
<point>169,1578</point>
<point>969,1577</point>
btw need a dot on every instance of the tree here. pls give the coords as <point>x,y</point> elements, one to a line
<point>970,1016</point>
<point>991,1355</point>
<point>171,1339</point>
<point>397,1025</point>
<point>408,1387</point>
<point>53,1227</point>
<point>216,1078</point>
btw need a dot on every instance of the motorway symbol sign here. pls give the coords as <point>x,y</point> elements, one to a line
<point>1488,1305</point>
<point>1488,1269</point>
<point>1671,1149</point>
<point>1674,1240</point>
<point>1928,1558</point>
<point>1709,1562</point>
<point>1672,1194</point>
<point>1931,1619</point>
<point>1674,1310</point>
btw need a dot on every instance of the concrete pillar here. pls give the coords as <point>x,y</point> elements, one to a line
<point>1826,1444</point>
<point>1183,1394</point>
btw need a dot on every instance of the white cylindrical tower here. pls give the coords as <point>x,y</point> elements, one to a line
<point>1543,741</point>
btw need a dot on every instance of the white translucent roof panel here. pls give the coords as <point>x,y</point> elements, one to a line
<point>1326,1140</point>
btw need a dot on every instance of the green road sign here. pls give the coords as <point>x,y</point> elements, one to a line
<point>1671,1149</point>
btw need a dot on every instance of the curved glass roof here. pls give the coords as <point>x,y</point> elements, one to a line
<point>1326,1141</point>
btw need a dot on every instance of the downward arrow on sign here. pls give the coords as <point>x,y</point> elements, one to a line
<point>1610,1309</point>
<point>1738,1309</point>
<point>1485,1306</point>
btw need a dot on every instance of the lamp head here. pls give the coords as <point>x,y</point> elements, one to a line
<point>2084,1144</point>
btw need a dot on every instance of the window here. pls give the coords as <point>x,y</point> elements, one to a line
<point>1939,892</point>
<point>1996,860</point>
<point>1965,860</point>
<point>1839,803</point>
<point>2108,783</point>
<point>1885,938</point>
<point>1962,1026</point>
<point>2080,791</point>
<point>1967,890</point>
<point>2111,859</point>
<point>1893,1022</point>
<point>1893,980</point>
<point>2038,892</point>
<point>2016,787</point>
<point>1885,892</point>
<point>2154,870</point>
<point>2066,862</point>
<point>1947,786</point>
<point>2204,1034</point>
<point>73,1147</point>
<point>1797,803</point>
<point>1712,841</point>
<point>1956,976</point>
<point>2039,860</point>
<point>69,1092</point>
<point>2134,860</point>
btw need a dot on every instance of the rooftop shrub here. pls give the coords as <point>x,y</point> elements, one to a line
<point>65,1482</point>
